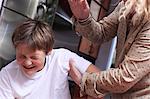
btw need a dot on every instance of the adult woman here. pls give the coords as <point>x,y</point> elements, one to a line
<point>130,23</point>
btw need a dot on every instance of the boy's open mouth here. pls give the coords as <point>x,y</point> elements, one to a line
<point>29,67</point>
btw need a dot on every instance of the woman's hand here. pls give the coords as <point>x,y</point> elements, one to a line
<point>80,8</point>
<point>74,72</point>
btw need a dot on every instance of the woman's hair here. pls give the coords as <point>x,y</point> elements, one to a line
<point>140,7</point>
<point>37,34</point>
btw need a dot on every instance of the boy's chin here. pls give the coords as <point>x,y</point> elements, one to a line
<point>30,73</point>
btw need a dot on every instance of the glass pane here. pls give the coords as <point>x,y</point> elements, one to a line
<point>8,22</point>
<point>26,7</point>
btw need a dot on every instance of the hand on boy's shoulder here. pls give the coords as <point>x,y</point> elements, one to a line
<point>92,68</point>
<point>75,92</point>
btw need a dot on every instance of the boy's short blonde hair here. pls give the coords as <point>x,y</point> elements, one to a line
<point>37,34</point>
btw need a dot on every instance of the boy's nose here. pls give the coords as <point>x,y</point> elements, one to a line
<point>28,62</point>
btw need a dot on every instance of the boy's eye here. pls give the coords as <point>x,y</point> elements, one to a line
<point>22,57</point>
<point>34,57</point>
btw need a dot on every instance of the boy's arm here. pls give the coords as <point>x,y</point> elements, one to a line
<point>76,76</point>
<point>5,88</point>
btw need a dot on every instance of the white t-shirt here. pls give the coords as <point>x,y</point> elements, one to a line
<point>50,83</point>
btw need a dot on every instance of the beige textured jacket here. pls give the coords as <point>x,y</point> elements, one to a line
<point>131,77</point>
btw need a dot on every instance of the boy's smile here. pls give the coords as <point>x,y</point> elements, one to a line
<point>29,60</point>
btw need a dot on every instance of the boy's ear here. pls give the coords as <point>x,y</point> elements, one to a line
<point>49,52</point>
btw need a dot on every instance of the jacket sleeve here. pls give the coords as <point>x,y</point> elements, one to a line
<point>134,67</point>
<point>100,31</point>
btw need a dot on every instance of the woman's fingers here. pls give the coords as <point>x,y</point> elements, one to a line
<point>79,8</point>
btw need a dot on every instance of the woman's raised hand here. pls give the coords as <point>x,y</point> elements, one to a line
<point>79,8</point>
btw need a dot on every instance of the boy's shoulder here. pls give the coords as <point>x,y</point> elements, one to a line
<point>12,65</point>
<point>10,69</point>
<point>61,50</point>
<point>62,53</point>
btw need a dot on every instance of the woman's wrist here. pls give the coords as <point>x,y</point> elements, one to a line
<point>81,22</point>
<point>84,20</point>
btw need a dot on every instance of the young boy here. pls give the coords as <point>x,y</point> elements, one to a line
<point>39,71</point>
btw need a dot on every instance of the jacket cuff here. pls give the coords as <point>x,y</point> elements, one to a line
<point>80,22</point>
<point>88,85</point>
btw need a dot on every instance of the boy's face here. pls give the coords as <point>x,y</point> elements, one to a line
<point>30,61</point>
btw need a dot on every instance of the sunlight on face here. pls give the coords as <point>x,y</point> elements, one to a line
<point>30,61</point>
